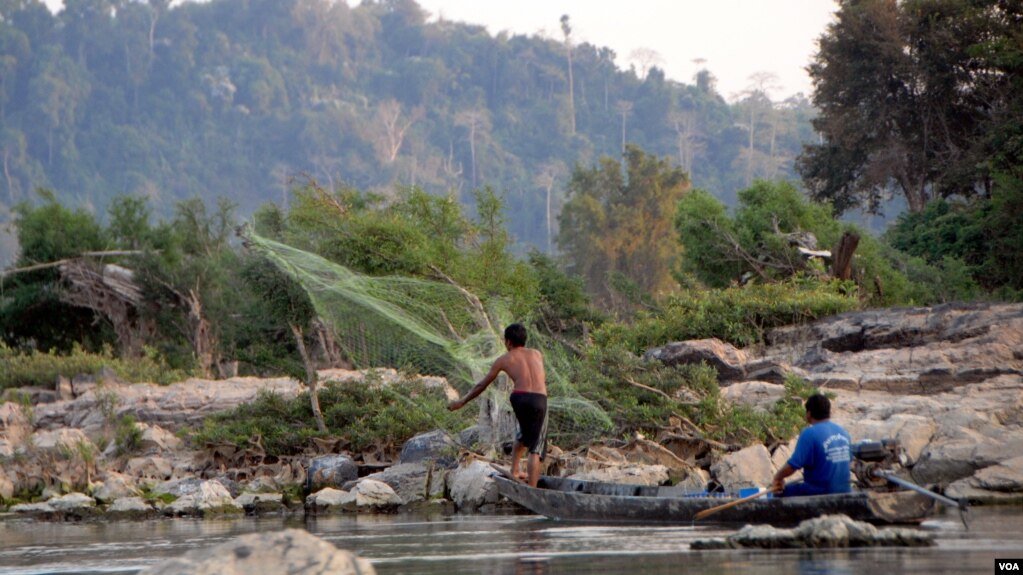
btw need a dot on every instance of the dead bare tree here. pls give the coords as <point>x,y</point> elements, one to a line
<point>312,378</point>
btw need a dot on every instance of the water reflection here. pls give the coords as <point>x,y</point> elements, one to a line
<point>500,545</point>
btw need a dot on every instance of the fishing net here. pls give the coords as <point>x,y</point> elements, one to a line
<point>432,328</point>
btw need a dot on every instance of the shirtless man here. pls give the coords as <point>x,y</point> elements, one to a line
<point>529,399</point>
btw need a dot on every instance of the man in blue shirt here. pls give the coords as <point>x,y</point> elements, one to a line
<point>822,452</point>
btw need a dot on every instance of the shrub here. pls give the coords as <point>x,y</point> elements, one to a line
<point>40,369</point>
<point>738,315</point>
<point>365,414</point>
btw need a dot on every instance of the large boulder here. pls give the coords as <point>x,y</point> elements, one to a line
<point>436,445</point>
<point>6,486</point>
<point>1001,482</point>
<point>472,485</point>
<point>114,486</point>
<point>15,427</point>
<point>411,481</point>
<point>72,502</point>
<point>149,467</point>
<point>288,551</point>
<point>907,350</point>
<point>69,439</point>
<point>156,440</point>
<point>130,508</point>
<point>261,503</point>
<point>727,359</point>
<point>211,498</point>
<point>748,467</point>
<point>759,395</point>
<point>330,471</point>
<point>168,406</point>
<point>366,495</point>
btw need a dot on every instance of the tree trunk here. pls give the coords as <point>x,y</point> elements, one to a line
<point>202,341</point>
<point>311,377</point>
<point>842,255</point>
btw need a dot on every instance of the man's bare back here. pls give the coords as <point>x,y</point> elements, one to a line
<point>525,368</point>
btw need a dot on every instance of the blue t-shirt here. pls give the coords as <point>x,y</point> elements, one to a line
<point>823,453</point>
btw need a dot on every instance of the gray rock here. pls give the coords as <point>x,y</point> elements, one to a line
<point>115,486</point>
<point>288,551</point>
<point>261,503</point>
<point>6,486</point>
<point>366,495</point>
<point>130,504</point>
<point>149,467</point>
<point>411,481</point>
<point>760,395</point>
<point>330,471</point>
<point>749,467</point>
<point>211,498</point>
<point>829,531</point>
<point>329,500</point>
<point>472,486</point>
<point>434,445</point>
<point>31,508</point>
<point>71,502</point>
<point>728,360</point>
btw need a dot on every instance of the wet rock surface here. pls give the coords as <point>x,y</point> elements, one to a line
<point>829,531</point>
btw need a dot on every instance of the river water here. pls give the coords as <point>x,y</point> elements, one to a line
<point>504,544</point>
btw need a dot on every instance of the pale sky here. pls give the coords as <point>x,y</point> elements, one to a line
<point>737,38</point>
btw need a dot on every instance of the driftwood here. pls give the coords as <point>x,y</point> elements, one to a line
<point>110,291</point>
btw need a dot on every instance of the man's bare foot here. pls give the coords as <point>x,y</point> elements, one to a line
<point>522,476</point>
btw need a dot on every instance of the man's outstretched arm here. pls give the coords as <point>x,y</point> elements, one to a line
<point>479,387</point>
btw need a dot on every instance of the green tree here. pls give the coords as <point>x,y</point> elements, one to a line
<point>905,100</point>
<point>32,313</point>
<point>620,223</point>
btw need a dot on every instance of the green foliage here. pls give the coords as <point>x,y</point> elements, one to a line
<point>701,222</point>
<point>564,305</point>
<point>757,243</point>
<point>972,245</point>
<point>127,436</point>
<point>887,74</point>
<point>415,235</point>
<point>612,376</point>
<point>92,120</point>
<point>738,315</point>
<point>31,311</point>
<point>617,223</point>
<point>365,414</point>
<point>38,369</point>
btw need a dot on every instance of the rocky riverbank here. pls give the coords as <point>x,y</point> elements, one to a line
<point>946,382</point>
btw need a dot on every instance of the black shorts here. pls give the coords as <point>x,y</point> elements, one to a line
<point>531,411</point>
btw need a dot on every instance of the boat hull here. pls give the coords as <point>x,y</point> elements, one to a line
<point>603,502</point>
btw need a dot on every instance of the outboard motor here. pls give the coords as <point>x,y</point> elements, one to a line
<point>870,456</point>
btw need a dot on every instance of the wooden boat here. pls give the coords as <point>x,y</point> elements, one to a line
<point>576,500</point>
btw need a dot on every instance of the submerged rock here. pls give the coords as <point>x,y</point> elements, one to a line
<point>288,551</point>
<point>821,532</point>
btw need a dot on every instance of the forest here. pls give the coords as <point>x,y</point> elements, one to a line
<point>340,130</point>
<point>237,98</point>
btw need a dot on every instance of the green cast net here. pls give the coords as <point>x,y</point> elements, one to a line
<point>435,328</point>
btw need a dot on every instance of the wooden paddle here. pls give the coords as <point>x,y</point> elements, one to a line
<point>730,504</point>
